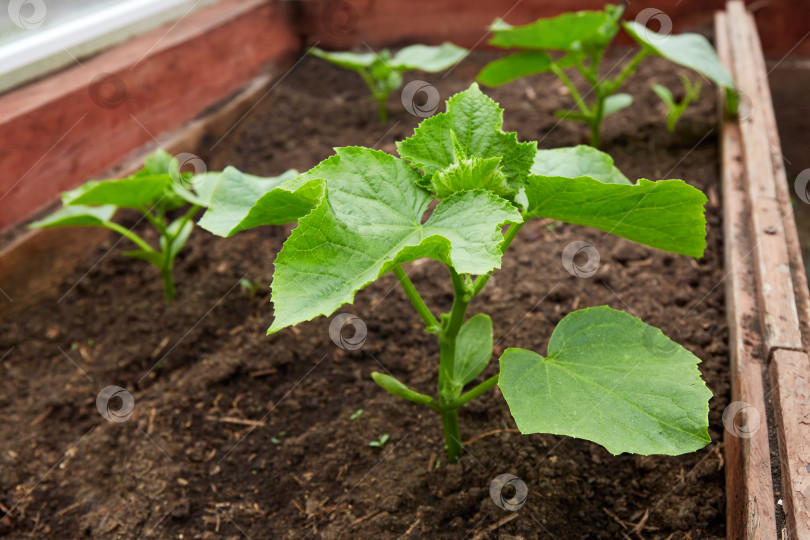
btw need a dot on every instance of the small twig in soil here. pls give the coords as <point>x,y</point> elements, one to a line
<point>431,462</point>
<point>67,509</point>
<point>234,420</point>
<point>488,433</point>
<point>640,525</point>
<point>414,524</point>
<point>264,372</point>
<point>362,519</point>
<point>494,526</point>
<point>616,518</point>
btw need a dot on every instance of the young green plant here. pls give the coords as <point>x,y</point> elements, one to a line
<point>361,213</point>
<point>155,190</point>
<point>691,92</point>
<point>579,41</point>
<point>383,71</point>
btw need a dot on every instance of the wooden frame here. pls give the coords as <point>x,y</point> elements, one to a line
<point>767,474</point>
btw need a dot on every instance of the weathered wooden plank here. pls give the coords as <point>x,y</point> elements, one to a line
<point>790,377</point>
<point>749,487</point>
<point>779,314</point>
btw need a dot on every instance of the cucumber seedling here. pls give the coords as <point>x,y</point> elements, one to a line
<point>158,188</point>
<point>383,71</point>
<point>675,109</point>
<point>607,376</point>
<point>579,41</point>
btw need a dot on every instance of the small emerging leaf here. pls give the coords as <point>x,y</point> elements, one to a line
<point>611,379</point>
<point>617,102</point>
<point>393,386</point>
<point>469,174</point>
<point>473,350</point>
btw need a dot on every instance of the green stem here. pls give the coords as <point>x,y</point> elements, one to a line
<point>447,342</point>
<point>475,392</point>
<point>595,122</point>
<point>452,435</point>
<point>510,235</point>
<point>558,71</point>
<point>168,283</point>
<point>431,323</point>
<point>131,236</point>
<point>628,70</point>
<point>381,109</point>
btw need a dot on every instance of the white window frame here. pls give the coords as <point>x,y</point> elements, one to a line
<point>47,50</point>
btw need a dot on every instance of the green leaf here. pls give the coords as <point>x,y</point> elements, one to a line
<point>514,66</point>
<point>242,201</point>
<point>611,379</point>
<point>689,50</point>
<point>132,192</point>
<point>576,161</point>
<point>471,124</point>
<point>617,102</point>
<point>569,31</point>
<point>427,58</point>
<point>473,350</point>
<point>393,386</point>
<point>470,174</point>
<point>152,257</point>
<point>181,235</point>
<point>348,60</point>
<point>667,214</point>
<point>71,216</point>
<point>371,220</point>
<point>665,95</point>
<point>159,162</point>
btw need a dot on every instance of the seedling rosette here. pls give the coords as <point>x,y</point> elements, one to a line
<point>607,376</point>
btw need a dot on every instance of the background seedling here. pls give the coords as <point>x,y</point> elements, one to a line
<point>155,190</point>
<point>380,442</point>
<point>252,288</point>
<point>356,414</point>
<point>383,71</point>
<point>676,110</point>
<point>579,41</point>
<point>607,376</point>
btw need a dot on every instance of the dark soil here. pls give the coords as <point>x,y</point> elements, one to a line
<point>190,464</point>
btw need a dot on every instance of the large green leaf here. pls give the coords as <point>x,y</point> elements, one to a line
<point>569,31</point>
<point>242,201</point>
<point>514,66</point>
<point>473,350</point>
<point>611,379</point>
<point>371,220</point>
<point>471,127</point>
<point>667,214</point>
<point>576,161</point>
<point>72,216</point>
<point>689,50</point>
<point>427,58</point>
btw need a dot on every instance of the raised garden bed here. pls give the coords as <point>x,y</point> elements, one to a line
<point>177,468</point>
<point>237,434</point>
